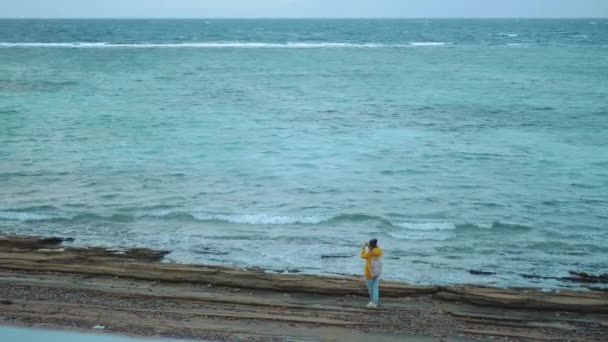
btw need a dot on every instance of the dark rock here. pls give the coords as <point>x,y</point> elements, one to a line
<point>51,240</point>
<point>582,277</point>
<point>6,302</point>
<point>145,254</point>
<point>287,270</point>
<point>535,276</point>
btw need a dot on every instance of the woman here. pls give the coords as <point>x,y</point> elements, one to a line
<point>371,252</point>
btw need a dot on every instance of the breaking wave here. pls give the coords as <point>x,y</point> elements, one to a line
<point>429,43</point>
<point>391,226</point>
<point>258,45</point>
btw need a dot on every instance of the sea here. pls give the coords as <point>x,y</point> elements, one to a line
<point>460,144</point>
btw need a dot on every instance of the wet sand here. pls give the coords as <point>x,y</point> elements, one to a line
<point>130,292</point>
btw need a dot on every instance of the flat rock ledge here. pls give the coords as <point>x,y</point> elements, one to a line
<point>38,254</point>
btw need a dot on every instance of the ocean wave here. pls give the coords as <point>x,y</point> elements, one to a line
<point>246,218</point>
<point>420,235</point>
<point>429,43</point>
<point>258,45</point>
<point>22,216</point>
<point>358,218</point>
<point>391,227</point>
<point>258,219</point>
<point>510,35</point>
<point>427,226</point>
<point>422,230</point>
<point>496,226</point>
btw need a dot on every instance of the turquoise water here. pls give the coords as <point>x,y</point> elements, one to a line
<point>14,334</point>
<point>459,144</point>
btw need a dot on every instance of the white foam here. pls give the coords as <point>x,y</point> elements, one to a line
<point>427,226</point>
<point>510,35</point>
<point>21,216</point>
<point>421,230</point>
<point>259,218</point>
<point>294,45</point>
<point>428,43</point>
<point>64,45</point>
<point>422,235</point>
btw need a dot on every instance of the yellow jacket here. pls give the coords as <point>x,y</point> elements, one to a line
<point>368,256</point>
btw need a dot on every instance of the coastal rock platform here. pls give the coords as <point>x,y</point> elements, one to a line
<point>130,291</point>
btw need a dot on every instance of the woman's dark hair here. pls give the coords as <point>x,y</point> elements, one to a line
<point>373,243</point>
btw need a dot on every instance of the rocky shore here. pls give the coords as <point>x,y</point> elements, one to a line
<point>129,291</point>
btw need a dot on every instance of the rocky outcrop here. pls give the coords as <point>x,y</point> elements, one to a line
<point>36,254</point>
<point>141,263</point>
<point>583,277</point>
<point>574,301</point>
<point>52,245</point>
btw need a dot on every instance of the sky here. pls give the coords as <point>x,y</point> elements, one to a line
<point>301,8</point>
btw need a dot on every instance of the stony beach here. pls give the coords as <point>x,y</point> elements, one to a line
<point>131,292</point>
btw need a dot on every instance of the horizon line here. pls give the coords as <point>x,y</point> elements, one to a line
<point>281,18</point>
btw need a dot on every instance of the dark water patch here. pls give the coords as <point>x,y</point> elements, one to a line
<point>536,276</point>
<point>87,218</point>
<point>156,207</point>
<point>479,155</point>
<point>173,216</point>
<point>490,204</point>
<point>207,250</point>
<point>8,111</point>
<point>601,163</point>
<point>36,208</point>
<point>360,218</point>
<point>453,257</point>
<point>454,249</point>
<point>594,201</point>
<point>175,175</point>
<point>551,203</point>
<point>33,86</point>
<point>480,272</point>
<point>75,205</point>
<point>336,256</point>
<point>563,248</point>
<point>33,174</point>
<point>583,277</point>
<point>423,262</point>
<point>583,186</point>
<point>402,172</point>
<point>509,227</point>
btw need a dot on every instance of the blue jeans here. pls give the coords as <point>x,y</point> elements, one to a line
<point>373,289</point>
